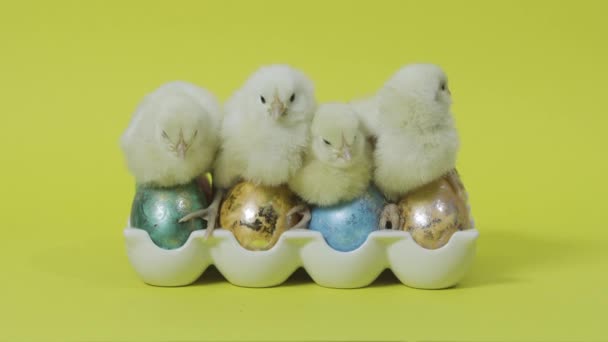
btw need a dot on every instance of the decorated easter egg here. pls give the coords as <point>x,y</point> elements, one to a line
<point>257,214</point>
<point>157,210</point>
<point>434,212</point>
<point>345,226</point>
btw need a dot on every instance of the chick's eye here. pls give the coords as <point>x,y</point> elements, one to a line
<point>326,142</point>
<point>292,98</point>
<point>262,99</point>
<point>443,86</point>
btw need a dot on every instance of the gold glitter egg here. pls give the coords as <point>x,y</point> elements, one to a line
<point>434,212</point>
<point>257,214</point>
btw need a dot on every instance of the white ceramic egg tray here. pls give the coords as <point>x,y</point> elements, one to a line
<point>413,265</point>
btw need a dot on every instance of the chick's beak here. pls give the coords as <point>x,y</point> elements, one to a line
<point>181,149</point>
<point>277,108</point>
<point>345,149</point>
<point>346,153</point>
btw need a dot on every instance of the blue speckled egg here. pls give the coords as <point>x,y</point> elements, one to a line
<point>158,210</point>
<point>346,226</point>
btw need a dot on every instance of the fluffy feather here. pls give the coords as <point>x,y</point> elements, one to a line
<point>265,131</point>
<point>417,141</point>
<point>173,135</point>
<point>366,110</point>
<point>338,164</point>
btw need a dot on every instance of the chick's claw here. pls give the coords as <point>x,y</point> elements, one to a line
<point>306,216</point>
<point>211,219</point>
<point>208,214</point>
<point>390,217</point>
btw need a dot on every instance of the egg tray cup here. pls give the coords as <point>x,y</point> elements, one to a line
<point>412,264</point>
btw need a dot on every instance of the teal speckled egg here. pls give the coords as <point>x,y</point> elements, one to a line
<point>158,210</point>
<point>345,226</point>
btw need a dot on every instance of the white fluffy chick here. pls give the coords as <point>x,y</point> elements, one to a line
<point>265,130</point>
<point>416,138</point>
<point>173,136</point>
<point>338,164</point>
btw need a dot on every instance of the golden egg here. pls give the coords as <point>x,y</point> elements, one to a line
<point>257,215</point>
<point>434,212</point>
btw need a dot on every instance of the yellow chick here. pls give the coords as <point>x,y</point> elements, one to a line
<point>338,163</point>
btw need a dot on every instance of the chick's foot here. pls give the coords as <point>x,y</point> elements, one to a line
<point>303,210</point>
<point>390,217</point>
<point>208,214</point>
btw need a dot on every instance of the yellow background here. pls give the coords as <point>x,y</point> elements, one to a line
<point>529,81</point>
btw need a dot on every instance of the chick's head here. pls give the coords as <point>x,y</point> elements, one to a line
<point>180,128</point>
<point>417,95</point>
<point>173,135</point>
<point>187,120</point>
<point>281,94</point>
<point>336,136</point>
